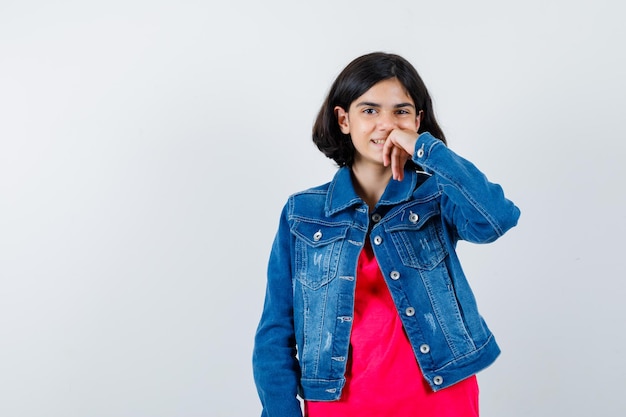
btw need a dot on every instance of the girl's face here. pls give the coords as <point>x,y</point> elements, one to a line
<point>371,117</point>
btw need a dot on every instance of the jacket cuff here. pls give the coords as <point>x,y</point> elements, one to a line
<point>423,147</point>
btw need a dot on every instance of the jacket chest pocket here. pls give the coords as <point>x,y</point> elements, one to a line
<point>418,237</point>
<point>317,252</point>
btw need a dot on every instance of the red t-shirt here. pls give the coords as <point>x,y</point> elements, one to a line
<point>382,376</point>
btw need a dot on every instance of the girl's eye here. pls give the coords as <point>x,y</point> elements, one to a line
<point>369,111</point>
<point>402,111</point>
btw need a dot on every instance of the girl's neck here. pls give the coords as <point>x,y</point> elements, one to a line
<point>370,182</point>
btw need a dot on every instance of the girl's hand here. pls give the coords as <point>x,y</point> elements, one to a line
<point>398,149</point>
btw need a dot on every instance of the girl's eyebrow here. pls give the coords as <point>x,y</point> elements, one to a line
<point>370,104</point>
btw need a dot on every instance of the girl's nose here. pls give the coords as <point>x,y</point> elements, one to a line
<point>386,121</point>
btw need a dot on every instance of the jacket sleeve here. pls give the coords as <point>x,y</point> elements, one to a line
<point>476,208</point>
<point>275,366</point>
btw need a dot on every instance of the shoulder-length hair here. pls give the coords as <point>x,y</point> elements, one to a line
<point>356,78</point>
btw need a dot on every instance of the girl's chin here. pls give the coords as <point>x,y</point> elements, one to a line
<point>372,162</point>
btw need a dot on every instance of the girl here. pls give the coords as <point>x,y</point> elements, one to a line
<point>367,310</point>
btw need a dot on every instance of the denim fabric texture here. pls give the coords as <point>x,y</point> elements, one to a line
<point>303,338</point>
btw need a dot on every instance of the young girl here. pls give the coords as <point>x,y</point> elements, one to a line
<point>367,310</point>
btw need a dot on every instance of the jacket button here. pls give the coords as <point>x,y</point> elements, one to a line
<point>420,152</point>
<point>414,217</point>
<point>317,236</point>
<point>438,380</point>
<point>424,348</point>
<point>410,311</point>
<point>394,275</point>
<point>378,240</point>
<point>376,217</point>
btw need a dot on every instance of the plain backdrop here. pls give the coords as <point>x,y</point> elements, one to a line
<point>147,147</point>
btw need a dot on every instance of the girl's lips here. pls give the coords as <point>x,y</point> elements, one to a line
<point>379,141</point>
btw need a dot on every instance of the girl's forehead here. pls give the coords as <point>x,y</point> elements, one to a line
<point>386,91</point>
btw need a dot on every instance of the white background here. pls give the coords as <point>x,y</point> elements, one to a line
<point>147,147</point>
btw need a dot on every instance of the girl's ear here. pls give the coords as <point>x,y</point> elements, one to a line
<point>342,119</point>
<point>418,120</point>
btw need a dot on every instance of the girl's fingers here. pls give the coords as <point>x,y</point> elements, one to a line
<point>395,151</point>
<point>398,160</point>
<point>394,163</point>
<point>387,151</point>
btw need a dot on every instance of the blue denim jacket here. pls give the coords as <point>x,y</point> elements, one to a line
<point>302,341</point>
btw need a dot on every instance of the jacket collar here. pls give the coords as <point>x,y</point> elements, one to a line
<point>341,194</point>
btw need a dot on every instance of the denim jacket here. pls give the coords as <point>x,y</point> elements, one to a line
<point>302,341</point>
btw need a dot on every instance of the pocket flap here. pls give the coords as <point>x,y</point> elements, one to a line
<point>318,234</point>
<point>413,218</point>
